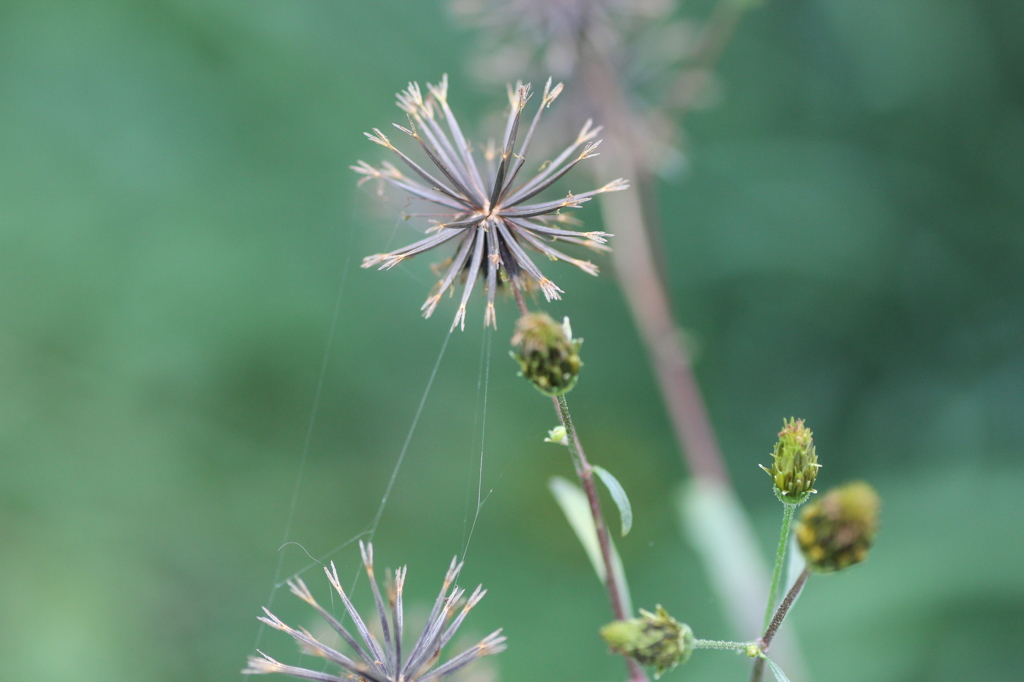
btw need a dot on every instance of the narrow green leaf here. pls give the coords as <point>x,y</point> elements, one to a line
<point>576,507</point>
<point>619,496</point>
<point>779,675</point>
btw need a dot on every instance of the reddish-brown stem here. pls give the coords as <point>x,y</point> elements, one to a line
<point>776,622</point>
<point>638,271</point>
<point>585,474</point>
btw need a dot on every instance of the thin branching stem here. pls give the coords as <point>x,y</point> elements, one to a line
<point>585,474</point>
<point>780,558</point>
<point>776,622</point>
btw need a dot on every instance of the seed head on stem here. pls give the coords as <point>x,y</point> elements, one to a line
<point>485,208</point>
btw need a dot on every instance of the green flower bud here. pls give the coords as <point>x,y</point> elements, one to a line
<point>558,436</point>
<point>654,639</point>
<point>794,463</point>
<point>547,354</point>
<point>837,531</point>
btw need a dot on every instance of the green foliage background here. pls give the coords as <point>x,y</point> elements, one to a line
<point>176,220</point>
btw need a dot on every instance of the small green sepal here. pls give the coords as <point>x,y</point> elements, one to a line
<point>618,496</point>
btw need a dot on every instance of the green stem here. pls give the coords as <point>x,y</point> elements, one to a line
<point>780,558</point>
<point>579,460</point>
<point>720,644</point>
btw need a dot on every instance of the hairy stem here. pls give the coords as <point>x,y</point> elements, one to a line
<point>720,644</point>
<point>780,557</point>
<point>585,474</point>
<point>776,622</point>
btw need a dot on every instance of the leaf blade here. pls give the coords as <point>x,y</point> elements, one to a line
<point>574,504</point>
<point>619,496</point>
<point>779,675</point>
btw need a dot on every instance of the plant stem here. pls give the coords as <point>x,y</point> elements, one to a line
<point>720,644</point>
<point>773,627</point>
<point>585,474</point>
<point>640,271</point>
<point>780,557</point>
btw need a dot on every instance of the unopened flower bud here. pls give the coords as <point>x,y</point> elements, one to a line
<point>837,531</point>
<point>654,639</point>
<point>794,463</point>
<point>558,436</point>
<point>547,354</point>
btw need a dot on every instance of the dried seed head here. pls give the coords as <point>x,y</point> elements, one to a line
<point>486,211</point>
<point>655,639</point>
<point>547,354</point>
<point>838,530</point>
<point>384,659</point>
<point>794,463</point>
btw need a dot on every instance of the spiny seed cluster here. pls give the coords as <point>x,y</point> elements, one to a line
<point>484,208</point>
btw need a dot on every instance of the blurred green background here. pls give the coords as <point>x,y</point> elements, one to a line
<point>177,218</point>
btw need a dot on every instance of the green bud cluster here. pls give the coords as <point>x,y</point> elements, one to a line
<point>547,354</point>
<point>837,531</point>
<point>794,463</point>
<point>654,639</point>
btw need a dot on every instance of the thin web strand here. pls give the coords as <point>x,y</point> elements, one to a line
<point>486,361</point>
<point>473,440</point>
<point>308,438</point>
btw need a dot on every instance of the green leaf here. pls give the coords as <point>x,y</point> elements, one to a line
<point>576,508</point>
<point>779,675</point>
<point>619,496</point>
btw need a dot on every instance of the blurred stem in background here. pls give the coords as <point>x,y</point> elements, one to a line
<point>631,216</point>
<point>584,40</point>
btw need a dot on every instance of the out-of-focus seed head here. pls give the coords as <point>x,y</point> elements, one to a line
<point>837,531</point>
<point>547,354</point>
<point>658,56</point>
<point>794,463</point>
<point>655,639</point>
<point>552,33</point>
